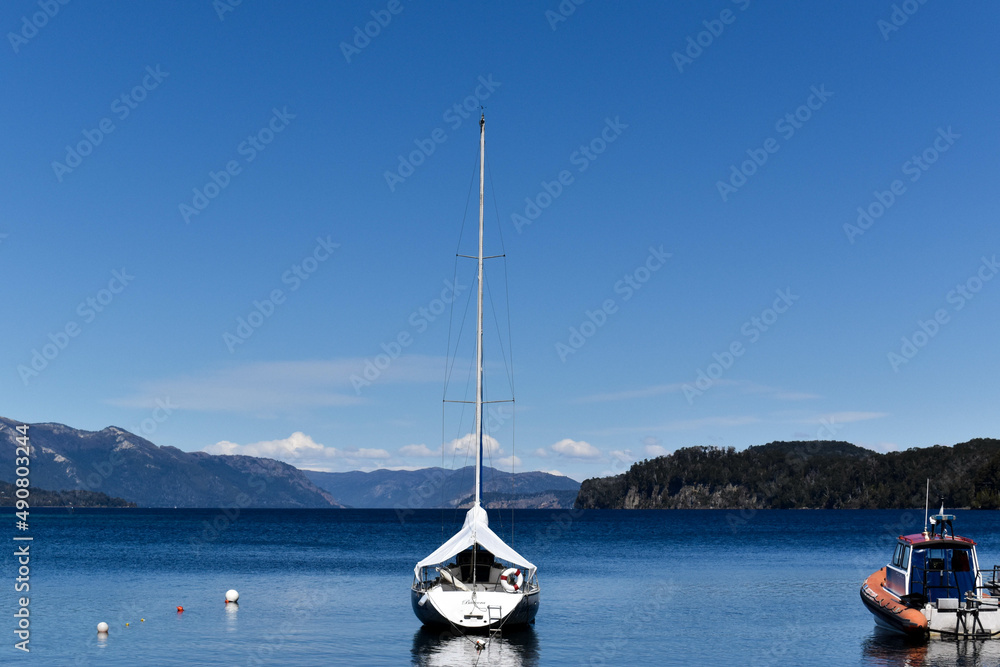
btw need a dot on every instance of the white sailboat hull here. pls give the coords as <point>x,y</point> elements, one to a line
<point>489,611</point>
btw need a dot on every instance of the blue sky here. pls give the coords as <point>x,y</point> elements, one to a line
<point>753,223</point>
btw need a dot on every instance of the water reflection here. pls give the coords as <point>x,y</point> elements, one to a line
<point>885,649</point>
<point>437,647</point>
<point>232,609</point>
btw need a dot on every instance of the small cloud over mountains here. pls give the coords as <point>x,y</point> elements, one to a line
<point>576,449</point>
<point>298,449</point>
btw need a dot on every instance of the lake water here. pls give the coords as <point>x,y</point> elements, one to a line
<point>331,587</point>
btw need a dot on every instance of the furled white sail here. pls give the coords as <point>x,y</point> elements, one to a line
<point>476,530</point>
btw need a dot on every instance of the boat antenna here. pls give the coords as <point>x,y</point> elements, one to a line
<point>927,505</point>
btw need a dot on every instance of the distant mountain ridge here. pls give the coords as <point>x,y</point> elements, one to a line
<point>122,464</point>
<point>804,474</point>
<point>440,487</point>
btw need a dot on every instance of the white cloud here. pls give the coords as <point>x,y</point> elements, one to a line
<point>417,450</point>
<point>576,449</point>
<point>693,424</point>
<point>464,446</point>
<point>301,451</point>
<point>366,453</point>
<point>542,452</point>
<point>655,390</point>
<point>847,417</point>
<point>655,450</point>
<point>622,456</point>
<point>795,396</point>
<point>276,386</point>
<point>296,446</point>
<point>680,425</point>
<point>507,462</point>
<point>467,445</point>
<point>554,472</point>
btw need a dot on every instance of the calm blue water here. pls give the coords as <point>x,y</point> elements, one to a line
<point>332,587</point>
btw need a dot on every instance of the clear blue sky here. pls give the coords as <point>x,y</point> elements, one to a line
<point>834,101</point>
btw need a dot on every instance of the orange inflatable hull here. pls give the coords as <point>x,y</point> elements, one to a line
<point>887,608</point>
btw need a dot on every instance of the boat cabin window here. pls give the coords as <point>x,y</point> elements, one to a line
<point>942,573</point>
<point>901,557</point>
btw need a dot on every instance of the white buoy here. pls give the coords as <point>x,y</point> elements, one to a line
<point>102,627</point>
<point>232,595</point>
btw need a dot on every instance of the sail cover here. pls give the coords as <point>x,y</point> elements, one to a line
<point>476,530</point>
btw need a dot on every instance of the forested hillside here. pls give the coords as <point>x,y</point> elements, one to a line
<point>805,474</point>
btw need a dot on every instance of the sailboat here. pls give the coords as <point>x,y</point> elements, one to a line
<point>475,581</point>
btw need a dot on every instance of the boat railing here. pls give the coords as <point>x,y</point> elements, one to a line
<point>428,580</point>
<point>990,585</point>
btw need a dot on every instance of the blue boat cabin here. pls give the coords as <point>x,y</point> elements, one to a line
<point>926,567</point>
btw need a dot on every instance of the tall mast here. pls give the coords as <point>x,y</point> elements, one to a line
<point>479,319</point>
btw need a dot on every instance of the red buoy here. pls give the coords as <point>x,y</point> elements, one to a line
<point>180,609</point>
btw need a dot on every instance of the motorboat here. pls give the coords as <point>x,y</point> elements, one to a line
<point>933,586</point>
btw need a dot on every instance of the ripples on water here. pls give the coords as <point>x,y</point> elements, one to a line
<point>332,587</point>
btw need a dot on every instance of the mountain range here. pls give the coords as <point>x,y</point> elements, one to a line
<point>440,487</point>
<point>118,463</point>
<point>122,464</point>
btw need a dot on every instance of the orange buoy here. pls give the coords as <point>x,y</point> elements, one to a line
<point>180,609</point>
